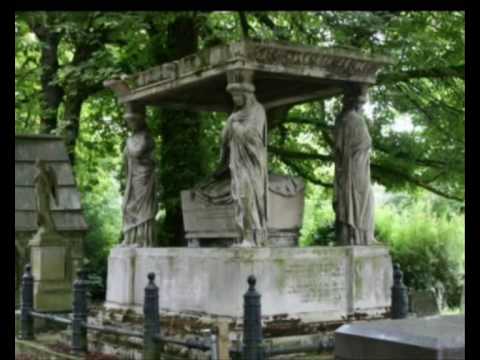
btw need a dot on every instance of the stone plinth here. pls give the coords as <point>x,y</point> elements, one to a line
<point>52,288</point>
<point>439,337</point>
<point>311,284</point>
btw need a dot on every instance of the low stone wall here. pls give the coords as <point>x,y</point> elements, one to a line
<point>315,284</point>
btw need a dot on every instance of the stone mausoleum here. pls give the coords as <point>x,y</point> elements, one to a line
<point>207,278</point>
<point>67,214</point>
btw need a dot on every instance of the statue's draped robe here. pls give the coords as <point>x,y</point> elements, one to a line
<point>244,153</point>
<point>353,199</point>
<point>139,198</point>
<point>44,186</point>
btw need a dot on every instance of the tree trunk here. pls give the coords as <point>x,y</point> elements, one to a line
<point>182,155</point>
<point>51,94</point>
<point>73,109</point>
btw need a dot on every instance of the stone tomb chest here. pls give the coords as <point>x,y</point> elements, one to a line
<point>68,215</point>
<point>205,222</point>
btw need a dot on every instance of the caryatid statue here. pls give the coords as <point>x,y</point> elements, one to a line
<point>139,204</point>
<point>244,148</point>
<point>45,184</point>
<point>353,195</point>
<point>241,178</point>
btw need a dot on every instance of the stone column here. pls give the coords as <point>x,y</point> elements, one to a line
<point>353,195</point>
<point>245,153</point>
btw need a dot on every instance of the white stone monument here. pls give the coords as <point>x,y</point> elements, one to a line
<point>252,218</point>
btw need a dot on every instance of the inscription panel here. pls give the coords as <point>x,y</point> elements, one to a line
<point>316,282</point>
<point>334,63</point>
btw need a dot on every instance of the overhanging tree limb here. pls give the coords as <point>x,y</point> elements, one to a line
<point>431,73</point>
<point>244,24</point>
<point>325,129</point>
<point>286,154</point>
<point>298,154</point>
<point>305,175</point>
<point>411,179</point>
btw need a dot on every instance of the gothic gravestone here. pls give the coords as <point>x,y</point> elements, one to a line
<point>67,214</point>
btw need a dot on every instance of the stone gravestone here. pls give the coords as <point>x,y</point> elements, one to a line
<point>52,290</point>
<point>440,337</point>
<point>424,303</point>
<point>66,216</point>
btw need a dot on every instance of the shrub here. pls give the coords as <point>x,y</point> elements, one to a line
<point>425,234</point>
<point>428,245</point>
<point>103,216</point>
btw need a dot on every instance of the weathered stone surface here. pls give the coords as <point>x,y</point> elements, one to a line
<point>24,173</point>
<point>203,220</point>
<point>139,205</point>
<point>372,276</point>
<point>311,284</point>
<point>68,214</point>
<point>68,199</point>
<point>120,280</point>
<point>353,194</point>
<point>424,303</point>
<point>73,221</point>
<point>441,337</point>
<point>52,287</point>
<point>45,147</point>
<point>285,74</point>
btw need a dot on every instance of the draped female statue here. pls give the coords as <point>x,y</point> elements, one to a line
<point>244,158</point>
<point>45,184</point>
<point>139,199</point>
<point>353,195</point>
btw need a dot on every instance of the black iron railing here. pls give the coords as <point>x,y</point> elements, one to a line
<point>253,347</point>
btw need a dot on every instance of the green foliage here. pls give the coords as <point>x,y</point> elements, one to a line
<point>426,237</point>
<point>97,170</point>
<point>102,213</point>
<point>318,219</point>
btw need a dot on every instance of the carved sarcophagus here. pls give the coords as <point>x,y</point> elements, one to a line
<point>207,223</point>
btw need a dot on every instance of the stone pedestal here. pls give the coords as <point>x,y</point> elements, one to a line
<point>312,284</point>
<point>52,288</point>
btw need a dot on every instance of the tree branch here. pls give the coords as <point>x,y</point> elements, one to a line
<point>264,19</point>
<point>283,154</point>
<point>244,24</point>
<point>305,175</point>
<point>432,73</point>
<point>299,155</point>
<point>411,179</point>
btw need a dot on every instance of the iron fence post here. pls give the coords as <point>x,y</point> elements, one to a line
<point>399,295</point>
<point>252,323</point>
<point>26,306</point>
<point>80,313</point>
<point>151,320</point>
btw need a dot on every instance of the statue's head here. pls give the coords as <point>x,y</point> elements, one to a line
<point>39,164</point>
<point>135,121</point>
<point>240,86</point>
<point>355,95</point>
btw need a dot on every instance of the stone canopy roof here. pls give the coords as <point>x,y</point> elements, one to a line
<point>284,74</point>
<point>68,215</point>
